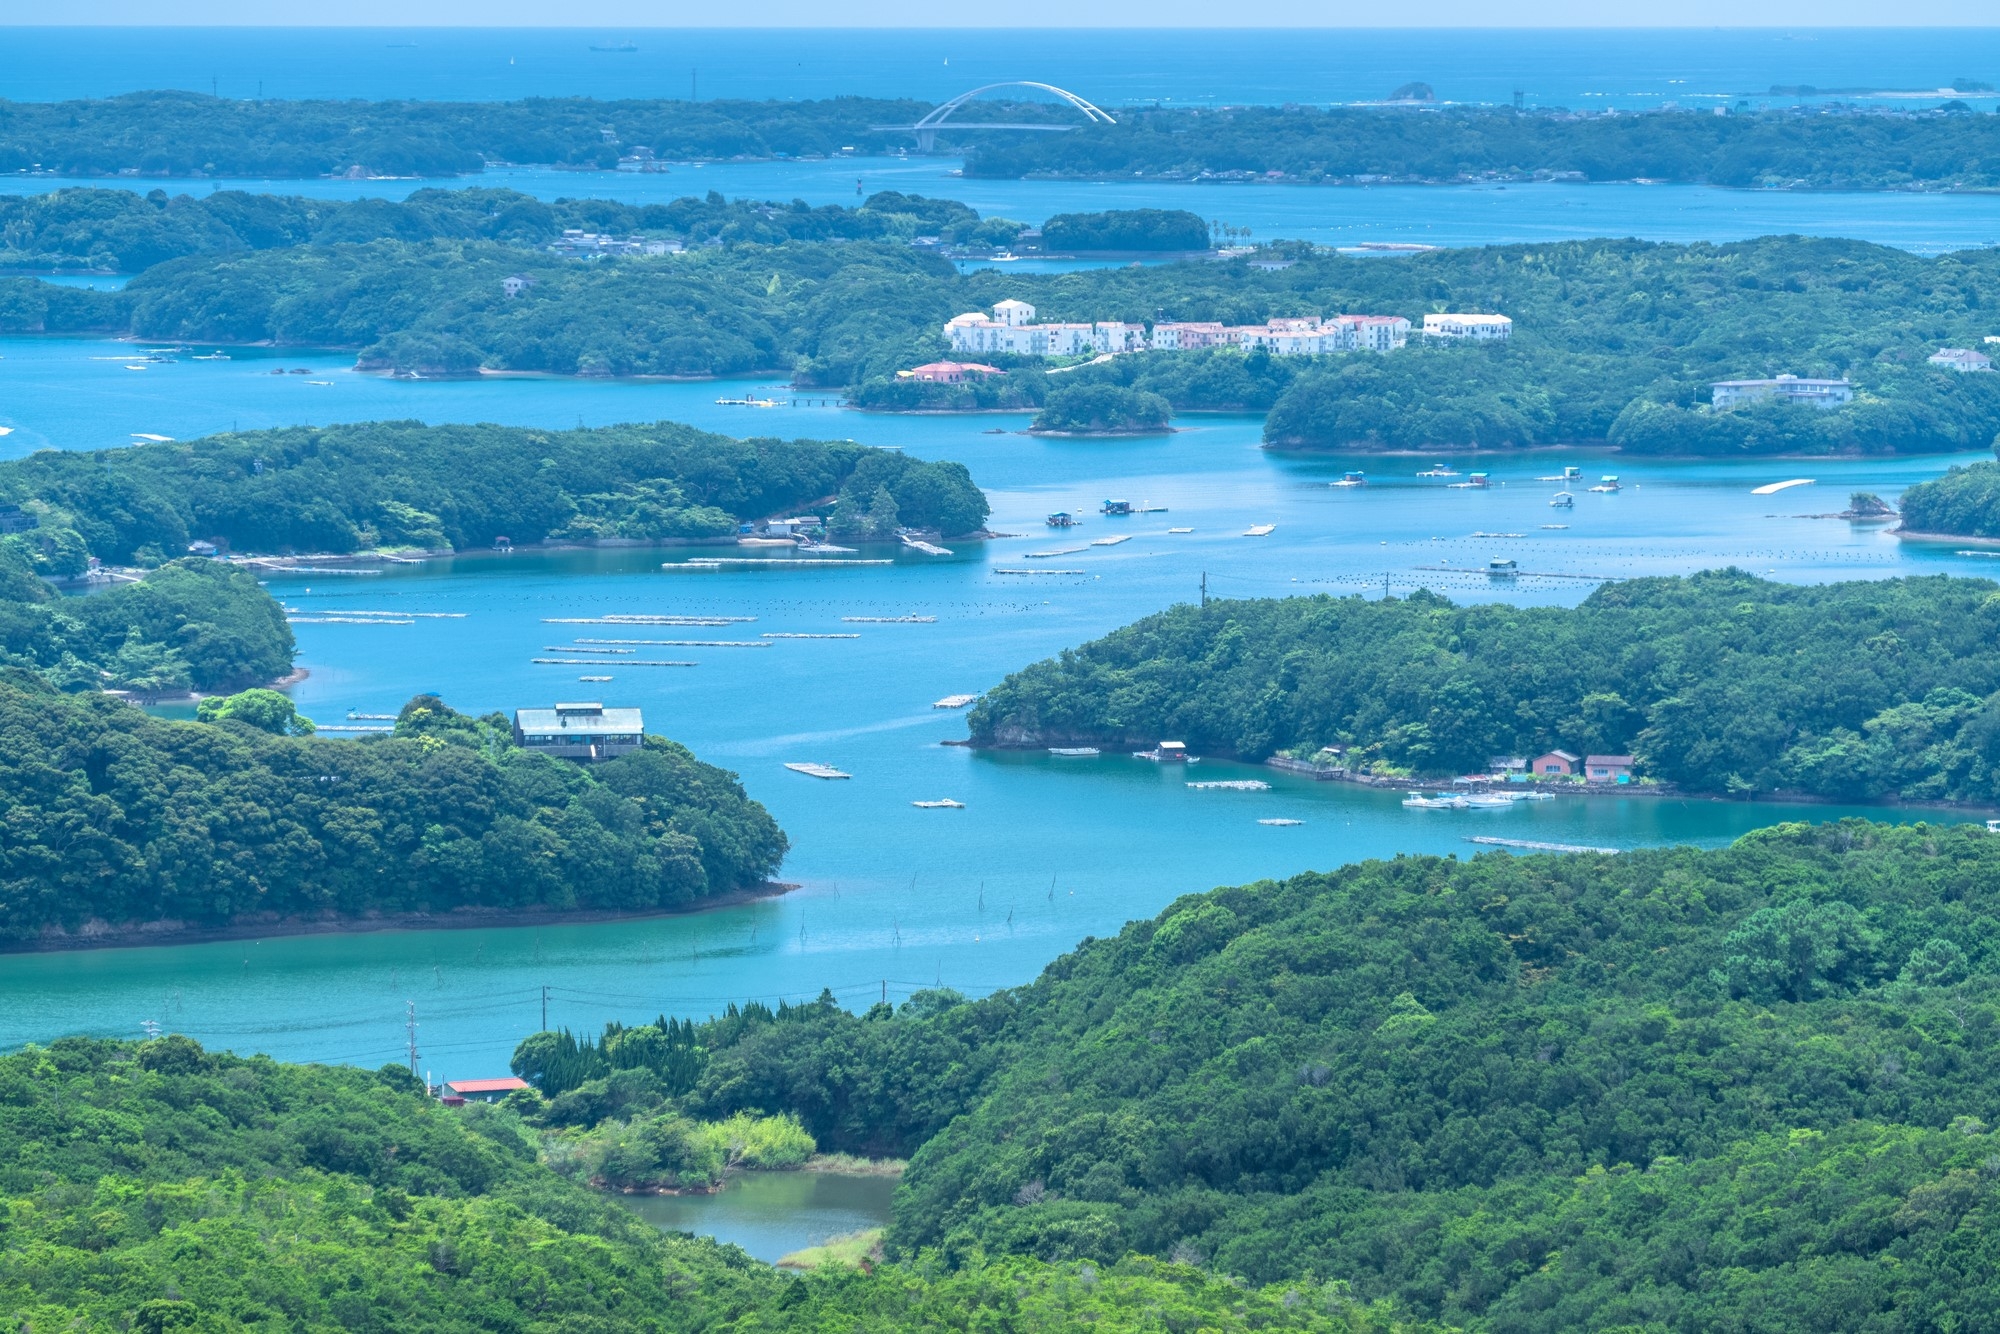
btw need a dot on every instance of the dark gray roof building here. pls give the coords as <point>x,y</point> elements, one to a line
<point>580,731</point>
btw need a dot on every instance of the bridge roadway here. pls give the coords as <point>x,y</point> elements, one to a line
<point>939,117</point>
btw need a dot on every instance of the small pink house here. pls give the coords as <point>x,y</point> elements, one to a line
<point>1556,764</point>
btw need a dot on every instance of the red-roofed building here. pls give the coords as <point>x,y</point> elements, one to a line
<point>949,372</point>
<point>483,1090</point>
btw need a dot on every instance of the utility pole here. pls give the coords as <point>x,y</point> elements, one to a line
<point>1204,588</point>
<point>410,1020</point>
<point>545,1008</point>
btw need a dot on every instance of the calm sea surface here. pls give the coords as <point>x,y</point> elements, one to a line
<point>893,898</point>
<point>1633,68</point>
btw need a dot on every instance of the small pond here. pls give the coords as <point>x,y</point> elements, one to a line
<point>772,1214</point>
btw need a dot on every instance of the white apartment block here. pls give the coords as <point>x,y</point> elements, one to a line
<point>1010,329</point>
<point>1480,328</point>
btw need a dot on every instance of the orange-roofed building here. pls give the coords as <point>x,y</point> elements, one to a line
<point>483,1090</point>
<point>949,372</point>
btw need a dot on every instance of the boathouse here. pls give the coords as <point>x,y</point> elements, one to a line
<point>580,731</point>
<point>1555,764</point>
<point>1607,768</point>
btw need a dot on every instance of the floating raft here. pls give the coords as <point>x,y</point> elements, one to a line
<point>1534,846</point>
<point>800,634</point>
<point>928,548</point>
<point>676,643</point>
<point>941,804</point>
<point>592,662</point>
<point>954,701</point>
<point>1233,785</point>
<point>818,771</point>
<point>352,717</point>
<point>1065,551</point>
<point>1282,823</point>
<point>1074,752</point>
<point>1775,487</point>
<point>640,618</point>
<point>890,620</point>
<point>346,620</point>
<point>333,727</point>
<point>593,678</point>
<point>565,648</point>
<point>1260,530</point>
<point>1110,541</point>
<point>758,563</point>
<point>1180,530</point>
<point>1041,572</point>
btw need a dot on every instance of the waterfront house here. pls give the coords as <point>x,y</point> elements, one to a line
<point>1556,764</point>
<point>580,731</point>
<point>949,372</point>
<point>1476,328</point>
<point>483,1090</point>
<point>1607,768</point>
<point>1785,388</point>
<point>1960,359</point>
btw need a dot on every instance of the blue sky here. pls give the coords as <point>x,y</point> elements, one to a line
<point>1021,13</point>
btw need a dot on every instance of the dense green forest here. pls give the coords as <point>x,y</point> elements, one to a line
<point>178,134</point>
<point>122,231</point>
<point>116,817</point>
<point>1719,682</point>
<point>189,625</point>
<point>1126,229</point>
<point>1101,409</point>
<point>1677,1090</point>
<point>1614,340</point>
<point>1808,148</point>
<point>187,134</point>
<point>155,1187</point>
<point>1965,502</point>
<point>404,484</point>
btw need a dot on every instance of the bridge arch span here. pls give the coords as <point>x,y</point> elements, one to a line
<point>939,117</point>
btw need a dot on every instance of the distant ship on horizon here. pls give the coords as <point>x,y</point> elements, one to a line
<point>620,46</point>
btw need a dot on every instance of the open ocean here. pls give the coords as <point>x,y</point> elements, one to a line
<point>1556,67</point>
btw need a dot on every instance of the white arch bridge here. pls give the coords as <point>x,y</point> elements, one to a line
<point>939,117</point>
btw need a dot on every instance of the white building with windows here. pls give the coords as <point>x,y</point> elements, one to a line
<point>1785,388</point>
<point>1010,328</point>
<point>1479,328</point>
<point>1961,359</point>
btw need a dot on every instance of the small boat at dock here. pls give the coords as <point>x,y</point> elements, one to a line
<point>1353,479</point>
<point>1440,801</point>
<point>1608,485</point>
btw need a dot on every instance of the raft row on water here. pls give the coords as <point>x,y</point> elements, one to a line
<point>636,618</point>
<point>591,662</point>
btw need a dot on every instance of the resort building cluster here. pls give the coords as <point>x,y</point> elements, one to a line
<point>1011,328</point>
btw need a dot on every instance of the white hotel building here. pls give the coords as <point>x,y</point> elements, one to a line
<point>1010,328</point>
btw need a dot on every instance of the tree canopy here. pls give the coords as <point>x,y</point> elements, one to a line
<point>1965,502</point>
<point>1718,682</point>
<point>118,818</point>
<point>405,484</point>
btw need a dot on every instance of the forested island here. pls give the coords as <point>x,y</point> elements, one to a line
<point>188,625</point>
<point>375,485</point>
<point>181,134</point>
<point>1965,502</point>
<point>1718,683</point>
<point>1807,148</point>
<point>1614,341</point>
<point>121,231</point>
<point>153,826</point>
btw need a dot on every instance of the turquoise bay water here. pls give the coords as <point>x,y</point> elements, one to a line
<point>892,897</point>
